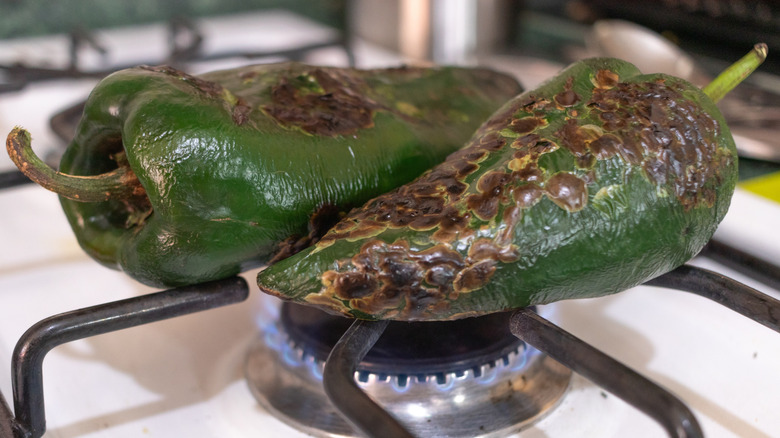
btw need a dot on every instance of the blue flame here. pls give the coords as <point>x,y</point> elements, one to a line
<point>401,383</point>
<point>489,377</point>
<point>446,386</point>
<point>315,367</point>
<point>276,339</point>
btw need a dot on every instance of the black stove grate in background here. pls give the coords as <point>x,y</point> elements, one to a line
<point>185,42</point>
<point>349,351</point>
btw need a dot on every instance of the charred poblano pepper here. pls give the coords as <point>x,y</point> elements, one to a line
<point>595,182</point>
<point>178,179</point>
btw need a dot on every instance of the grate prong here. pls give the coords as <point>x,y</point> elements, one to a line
<point>723,290</point>
<point>673,415</point>
<point>340,386</point>
<point>38,340</point>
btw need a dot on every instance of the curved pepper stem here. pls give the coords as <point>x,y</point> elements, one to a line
<point>119,184</point>
<point>736,73</point>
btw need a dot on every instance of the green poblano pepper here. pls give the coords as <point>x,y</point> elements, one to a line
<point>597,181</point>
<point>198,178</point>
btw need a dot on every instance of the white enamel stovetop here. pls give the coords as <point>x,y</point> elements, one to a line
<point>183,377</point>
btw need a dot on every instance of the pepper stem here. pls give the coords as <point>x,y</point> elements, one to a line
<point>736,73</point>
<point>120,183</point>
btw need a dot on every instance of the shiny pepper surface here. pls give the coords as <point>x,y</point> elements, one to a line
<point>233,166</point>
<point>597,181</point>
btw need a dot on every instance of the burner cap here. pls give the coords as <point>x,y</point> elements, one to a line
<point>409,349</point>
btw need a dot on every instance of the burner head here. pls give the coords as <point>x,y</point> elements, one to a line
<point>418,350</point>
<point>468,377</point>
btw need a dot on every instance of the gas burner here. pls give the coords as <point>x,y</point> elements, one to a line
<point>442,378</point>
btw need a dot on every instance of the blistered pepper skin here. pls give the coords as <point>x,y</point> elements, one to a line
<point>597,181</point>
<point>234,164</point>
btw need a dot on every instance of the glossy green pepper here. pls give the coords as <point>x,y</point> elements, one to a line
<point>198,178</point>
<point>597,181</point>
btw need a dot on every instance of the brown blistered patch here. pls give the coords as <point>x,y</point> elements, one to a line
<point>571,137</point>
<point>530,173</point>
<point>491,187</point>
<point>487,249</point>
<point>535,104</point>
<point>527,195</point>
<point>605,146</point>
<point>394,281</point>
<point>567,97</point>
<point>475,276</point>
<point>241,112</point>
<point>653,125</point>
<point>567,191</point>
<point>338,105</point>
<point>605,79</point>
<point>526,124</point>
<point>351,285</point>
<point>491,142</point>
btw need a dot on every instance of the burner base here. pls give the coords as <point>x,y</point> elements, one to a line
<point>504,395</point>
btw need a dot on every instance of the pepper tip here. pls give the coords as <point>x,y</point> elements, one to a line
<point>761,50</point>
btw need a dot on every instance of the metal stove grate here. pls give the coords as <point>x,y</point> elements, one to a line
<point>36,342</point>
<point>665,408</point>
<point>185,43</point>
<point>339,373</point>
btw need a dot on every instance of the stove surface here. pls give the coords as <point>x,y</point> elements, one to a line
<point>184,377</point>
